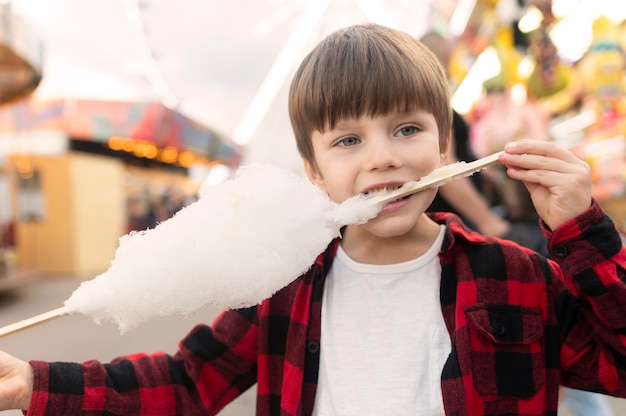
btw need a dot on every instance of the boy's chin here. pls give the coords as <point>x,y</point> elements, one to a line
<point>394,227</point>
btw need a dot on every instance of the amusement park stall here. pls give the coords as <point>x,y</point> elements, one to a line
<point>83,173</point>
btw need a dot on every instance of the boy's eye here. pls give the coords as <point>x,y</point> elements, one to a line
<point>407,131</point>
<point>348,141</point>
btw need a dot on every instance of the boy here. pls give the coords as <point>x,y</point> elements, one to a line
<point>406,314</point>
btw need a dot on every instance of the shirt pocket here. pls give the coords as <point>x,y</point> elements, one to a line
<point>506,350</point>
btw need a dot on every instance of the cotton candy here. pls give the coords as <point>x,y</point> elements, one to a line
<point>242,241</point>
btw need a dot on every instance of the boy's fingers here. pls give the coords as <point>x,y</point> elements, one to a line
<point>541,147</point>
<point>544,165</point>
<point>550,178</point>
<point>531,154</point>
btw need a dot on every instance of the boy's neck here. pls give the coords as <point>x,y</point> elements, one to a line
<point>364,247</point>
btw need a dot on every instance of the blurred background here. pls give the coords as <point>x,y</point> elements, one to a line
<point>114,112</point>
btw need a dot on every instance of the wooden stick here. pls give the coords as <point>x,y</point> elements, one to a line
<point>437,178</point>
<point>33,321</point>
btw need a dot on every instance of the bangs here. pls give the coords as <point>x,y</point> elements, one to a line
<point>366,71</point>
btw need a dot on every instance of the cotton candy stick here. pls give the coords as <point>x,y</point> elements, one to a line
<point>436,178</point>
<point>32,321</point>
<point>242,241</point>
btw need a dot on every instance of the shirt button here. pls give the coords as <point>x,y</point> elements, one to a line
<point>561,251</point>
<point>500,329</point>
<point>313,347</point>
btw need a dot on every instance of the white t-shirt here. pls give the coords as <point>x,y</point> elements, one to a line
<point>383,340</point>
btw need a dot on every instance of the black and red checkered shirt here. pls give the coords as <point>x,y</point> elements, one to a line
<point>520,325</point>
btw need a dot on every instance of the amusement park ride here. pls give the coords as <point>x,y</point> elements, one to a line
<point>21,56</point>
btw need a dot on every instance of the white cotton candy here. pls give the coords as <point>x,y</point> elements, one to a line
<point>355,210</point>
<point>242,241</point>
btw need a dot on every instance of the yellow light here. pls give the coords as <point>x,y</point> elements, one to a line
<point>115,143</point>
<point>150,151</point>
<point>186,159</point>
<point>139,149</point>
<point>128,145</point>
<point>169,154</point>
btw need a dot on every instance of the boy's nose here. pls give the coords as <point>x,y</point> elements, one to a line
<point>381,154</point>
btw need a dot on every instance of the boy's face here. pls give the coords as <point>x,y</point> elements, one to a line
<point>370,153</point>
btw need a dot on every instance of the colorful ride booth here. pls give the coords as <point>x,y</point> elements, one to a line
<point>83,173</point>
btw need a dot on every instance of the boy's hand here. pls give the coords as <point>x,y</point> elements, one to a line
<point>16,383</point>
<point>559,183</point>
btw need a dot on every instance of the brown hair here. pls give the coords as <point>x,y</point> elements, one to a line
<point>366,70</point>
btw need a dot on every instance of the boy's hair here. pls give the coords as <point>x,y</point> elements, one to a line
<point>366,70</point>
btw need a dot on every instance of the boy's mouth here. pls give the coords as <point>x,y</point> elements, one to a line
<point>381,191</point>
<point>376,192</point>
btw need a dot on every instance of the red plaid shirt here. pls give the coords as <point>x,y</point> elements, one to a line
<point>520,326</point>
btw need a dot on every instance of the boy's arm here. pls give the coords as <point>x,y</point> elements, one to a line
<point>559,183</point>
<point>591,314</point>
<point>463,196</point>
<point>201,378</point>
<point>592,263</point>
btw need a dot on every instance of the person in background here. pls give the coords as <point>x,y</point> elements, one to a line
<point>462,196</point>
<point>503,120</point>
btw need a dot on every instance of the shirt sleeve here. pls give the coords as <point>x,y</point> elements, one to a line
<point>592,313</point>
<point>213,366</point>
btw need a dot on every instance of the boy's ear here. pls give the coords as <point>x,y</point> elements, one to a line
<point>313,174</point>
<point>447,148</point>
